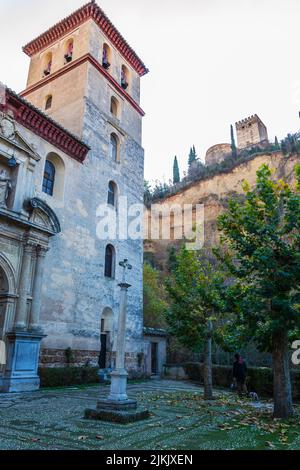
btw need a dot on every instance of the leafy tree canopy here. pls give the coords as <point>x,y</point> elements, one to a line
<point>155,302</point>
<point>195,290</point>
<point>261,233</point>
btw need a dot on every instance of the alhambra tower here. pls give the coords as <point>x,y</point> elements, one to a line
<point>84,76</point>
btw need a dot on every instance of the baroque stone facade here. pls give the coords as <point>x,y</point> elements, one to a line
<point>69,140</point>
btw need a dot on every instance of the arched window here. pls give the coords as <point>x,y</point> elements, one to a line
<point>106,56</point>
<point>69,51</point>
<point>48,103</point>
<point>54,176</point>
<point>109,269</point>
<point>124,77</point>
<point>114,106</point>
<point>111,194</point>
<point>49,178</point>
<point>114,147</point>
<point>47,64</point>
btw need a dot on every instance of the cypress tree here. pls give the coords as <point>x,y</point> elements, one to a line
<point>176,175</point>
<point>192,155</point>
<point>233,146</point>
<point>277,143</point>
<point>194,151</point>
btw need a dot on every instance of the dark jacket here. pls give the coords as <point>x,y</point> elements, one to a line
<point>239,370</point>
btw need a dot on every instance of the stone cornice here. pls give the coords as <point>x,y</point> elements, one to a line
<point>34,119</point>
<point>86,58</point>
<point>89,11</point>
<point>18,219</point>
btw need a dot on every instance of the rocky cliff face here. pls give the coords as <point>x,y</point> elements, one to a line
<point>213,193</point>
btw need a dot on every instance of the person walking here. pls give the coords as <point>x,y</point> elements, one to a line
<point>239,374</point>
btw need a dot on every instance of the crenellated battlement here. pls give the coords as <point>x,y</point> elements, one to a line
<point>250,119</point>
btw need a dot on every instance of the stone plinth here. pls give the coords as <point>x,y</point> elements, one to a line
<point>122,405</point>
<point>22,362</point>
<point>122,416</point>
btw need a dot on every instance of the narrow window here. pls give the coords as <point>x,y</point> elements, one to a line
<point>106,57</point>
<point>114,147</point>
<point>111,195</point>
<point>69,52</point>
<point>109,261</point>
<point>48,103</point>
<point>48,64</point>
<point>124,77</point>
<point>114,105</point>
<point>49,178</point>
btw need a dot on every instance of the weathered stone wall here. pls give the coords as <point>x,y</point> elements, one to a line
<point>217,153</point>
<point>57,358</point>
<point>53,358</point>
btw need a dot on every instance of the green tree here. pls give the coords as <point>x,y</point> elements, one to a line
<point>195,291</point>
<point>261,234</point>
<point>233,146</point>
<point>172,259</point>
<point>155,302</point>
<point>160,190</point>
<point>192,156</point>
<point>176,175</point>
<point>147,193</point>
<point>277,143</point>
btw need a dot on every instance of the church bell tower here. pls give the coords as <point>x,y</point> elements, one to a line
<point>84,59</point>
<point>84,75</point>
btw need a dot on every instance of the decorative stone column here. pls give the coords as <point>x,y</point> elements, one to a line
<point>21,311</point>
<point>34,323</point>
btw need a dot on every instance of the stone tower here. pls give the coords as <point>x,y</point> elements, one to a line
<point>251,131</point>
<point>84,75</point>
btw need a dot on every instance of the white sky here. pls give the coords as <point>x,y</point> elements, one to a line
<point>212,62</point>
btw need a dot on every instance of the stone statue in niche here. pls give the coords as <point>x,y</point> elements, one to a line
<point>5,187</point>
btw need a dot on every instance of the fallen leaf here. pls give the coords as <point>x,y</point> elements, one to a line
<point>270,444</point>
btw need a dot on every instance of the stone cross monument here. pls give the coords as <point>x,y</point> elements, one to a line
<point>118,407</point>
<point>119,375</point>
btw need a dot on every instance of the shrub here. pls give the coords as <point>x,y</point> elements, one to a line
<point>64,376</point>
<point>259,379</point>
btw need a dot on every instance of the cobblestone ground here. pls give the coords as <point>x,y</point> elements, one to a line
<point>180,419</point>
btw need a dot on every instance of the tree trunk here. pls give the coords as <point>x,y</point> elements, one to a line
<point>283,407</point>
<point>207,368</point>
